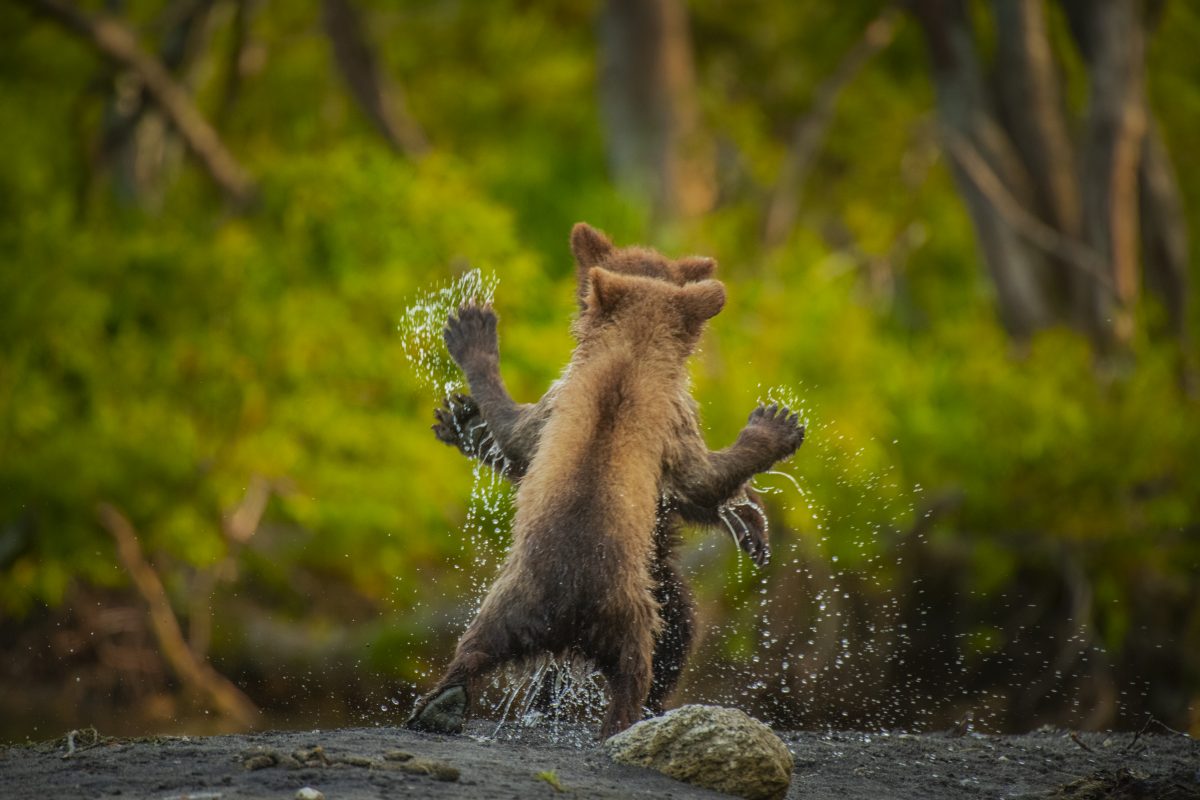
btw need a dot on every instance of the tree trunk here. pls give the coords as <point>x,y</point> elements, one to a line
<point>117,43</point>
<point>378,97</point>
<point>1059,231</point>
<point>967,113</point>
<point>1030,97</point>
<point>648,96</point>
<point>1164,233</point>
<point>1112,39</point>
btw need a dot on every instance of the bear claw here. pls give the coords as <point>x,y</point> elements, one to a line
<point>446,713</point>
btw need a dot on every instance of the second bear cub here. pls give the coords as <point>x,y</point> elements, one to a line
<point>577,577</point>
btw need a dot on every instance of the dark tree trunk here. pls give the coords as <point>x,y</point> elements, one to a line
<point>1058,222</point>
<point>1030,98</point>
<point>380,99</point>
<point>1114,49</point>
<point>1164,233</point>
<point>967,112</point>
<point>648,96</point>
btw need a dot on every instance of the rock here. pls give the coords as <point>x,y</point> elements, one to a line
<point>309,793</point>
<point>311,756</point>
<point>400,761</point>
<point>354,760</point>
<point>438,770</point>
<point>261,761</point>
<point>717,748</point>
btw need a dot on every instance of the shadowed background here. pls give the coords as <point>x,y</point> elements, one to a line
<point>957,232</point>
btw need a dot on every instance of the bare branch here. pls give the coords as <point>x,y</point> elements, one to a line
<point>118,43</point>
<point>195,673</point>
<point>1036,232</point>
<point>238,526</point>
<point>243,522</point>
<point>810,130</point>
<point>381,100</point>
<point>965,108</point>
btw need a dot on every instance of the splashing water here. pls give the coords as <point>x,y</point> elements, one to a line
<point>787,396</point>
<point>811,645</point>
<point>422,323</point>
<point>563,694</point>
<point>841,631</point>
<point>420,327</point>
<point>560,691</point>
<point>805,640</point>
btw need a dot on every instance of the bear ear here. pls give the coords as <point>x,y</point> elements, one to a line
<point>589,246</point>
<point>702,301</point>
<point>696,268</point>
<point>606,290</point>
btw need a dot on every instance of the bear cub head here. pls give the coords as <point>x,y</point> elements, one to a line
<point>592,248</point>
<point>647,317</point>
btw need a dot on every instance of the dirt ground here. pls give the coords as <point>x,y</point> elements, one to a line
<point>528,763</point>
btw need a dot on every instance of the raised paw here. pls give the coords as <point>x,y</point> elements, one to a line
<point>780,426</point>
<point>445,712</point>
<point>459,423</point>
<point>471,336</point>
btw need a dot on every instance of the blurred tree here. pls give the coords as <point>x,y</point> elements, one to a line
<point>154,80</point>
<point>379,97</point>
<point>1058,221</point>
<point>657,147</point>
<point>234,384</point>
<point>810,130</point>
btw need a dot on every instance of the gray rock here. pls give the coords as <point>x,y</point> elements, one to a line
<point>309,793</point>
<point>717,748</point>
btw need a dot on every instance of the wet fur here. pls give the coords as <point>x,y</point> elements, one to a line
<point>579,574</point>
<point>461,424</point>
<point>510,432</point>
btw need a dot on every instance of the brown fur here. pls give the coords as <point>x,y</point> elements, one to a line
<point>592,248</point>
<point>578,577</point>
<point>511,447</point>
<point>461,424</point>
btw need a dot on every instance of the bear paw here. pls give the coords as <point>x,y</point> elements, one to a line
<point>459,424</point>
<point>471,336</point>
<point>779,426</point>
<point>746,519</point>
<point>444,713</point>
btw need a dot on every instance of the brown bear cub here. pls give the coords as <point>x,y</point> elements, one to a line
<point>462,425</point>
<point>578,576</point>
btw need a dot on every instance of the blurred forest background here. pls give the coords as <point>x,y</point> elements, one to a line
<point>958,232</point>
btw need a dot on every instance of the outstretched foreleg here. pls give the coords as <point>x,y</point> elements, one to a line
<point>510,430</point>
<point>707,480</point>
<point>460,424</point>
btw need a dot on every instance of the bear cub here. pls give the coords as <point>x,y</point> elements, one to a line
<point>578,576</point>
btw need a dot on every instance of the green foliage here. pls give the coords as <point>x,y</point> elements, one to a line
<point>159,359</point>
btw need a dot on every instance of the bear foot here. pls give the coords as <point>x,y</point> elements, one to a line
<point>445,713</point>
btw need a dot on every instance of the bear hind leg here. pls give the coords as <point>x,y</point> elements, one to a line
<point>445,709</point>
<point>674,642</point>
